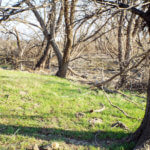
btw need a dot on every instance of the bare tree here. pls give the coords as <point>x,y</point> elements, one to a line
<point>70,25</point>
<point>142,134</point>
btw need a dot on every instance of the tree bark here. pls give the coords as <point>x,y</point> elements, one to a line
<point>124,60</point>
<point>142,134</point>
<point>49,34</point>
<point>42,61</point>
<point>120,49</point>
<point>128,49</point>
<point>62,72</point>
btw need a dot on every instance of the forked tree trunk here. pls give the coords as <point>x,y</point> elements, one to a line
<point>62,72</point>
<point>48,30</point>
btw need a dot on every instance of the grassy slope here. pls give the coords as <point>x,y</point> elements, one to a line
<point>41,109</point>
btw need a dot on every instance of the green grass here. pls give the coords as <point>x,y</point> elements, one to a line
<point>40,109</point>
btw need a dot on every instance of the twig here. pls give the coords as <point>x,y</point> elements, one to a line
<point>139,96</point>
<point>16,131</point>
<point>73,72</point>
<point>98,110</point>
<point>125,70</point>
<point>127,98</point>
<point>118,107</point>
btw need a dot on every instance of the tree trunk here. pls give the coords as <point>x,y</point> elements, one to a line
<point>120,49</point>
<point>42,61</point>
<point>142,134</point>
<point>49,60</point>
<point>128,49</point>
<point>57,51</point>
<point>62,72</point>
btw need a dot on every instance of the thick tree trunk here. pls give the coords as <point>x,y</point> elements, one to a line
<point>62,72</point>
<point>143,132</point>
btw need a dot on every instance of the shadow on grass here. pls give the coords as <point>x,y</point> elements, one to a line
<point>85,138</point>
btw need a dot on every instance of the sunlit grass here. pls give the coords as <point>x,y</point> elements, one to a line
<point>41,109</point>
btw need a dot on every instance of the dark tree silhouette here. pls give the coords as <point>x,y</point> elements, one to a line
<point>142,134</point>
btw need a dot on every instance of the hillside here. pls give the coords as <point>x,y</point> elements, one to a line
<point>41,109</point>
